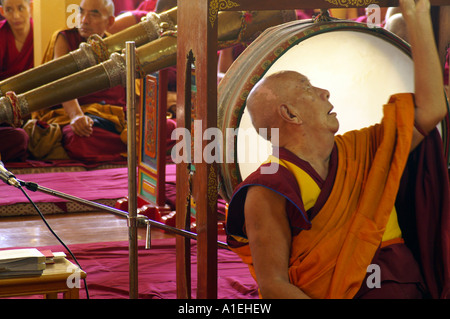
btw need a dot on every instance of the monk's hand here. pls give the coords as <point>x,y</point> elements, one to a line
<point>414,9</point>
<point>82,125</point>
<point>417,17</point>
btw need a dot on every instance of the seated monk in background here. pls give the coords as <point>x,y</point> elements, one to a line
<point>131,17</point>
<point>395,23</point>
<point>16,56</point>
<point>16,38</point>
<point>125,5</point>
<point>93,126</point>
<point>360,215</point>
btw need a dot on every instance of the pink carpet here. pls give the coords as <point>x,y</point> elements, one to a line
<point>69,163</point>
<point>92,185</point>
<point>89,185</point>
<point>107,268</point>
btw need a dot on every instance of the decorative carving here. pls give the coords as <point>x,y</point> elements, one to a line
<point>115,68</point>
<point>212,187</point>
<point>216,5</point>
<point>358,3</point>
<point>151,25</point>
<point>6,112</point>
<point>157,25</point>
<point>99,47</point>
<point>151,117</point>
<point>19,106</point>
<point>84,57</point>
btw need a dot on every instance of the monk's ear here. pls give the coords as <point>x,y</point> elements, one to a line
<point>288,115</point>
<point>111,21</point>
<point>2,12</point>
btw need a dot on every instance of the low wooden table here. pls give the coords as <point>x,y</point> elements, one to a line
<point>53,280</point>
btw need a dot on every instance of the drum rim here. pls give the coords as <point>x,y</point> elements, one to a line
<point>305,29</point>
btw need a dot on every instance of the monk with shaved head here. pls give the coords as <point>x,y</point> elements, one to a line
<point>286,100</point>
<point>338,218</point>
<point>93,126</point>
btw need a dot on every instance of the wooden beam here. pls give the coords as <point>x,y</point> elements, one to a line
<point>197,39</point>
<point>246,5</point>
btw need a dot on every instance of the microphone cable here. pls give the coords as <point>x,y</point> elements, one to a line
<point>33,187</point>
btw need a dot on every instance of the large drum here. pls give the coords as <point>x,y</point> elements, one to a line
<point>359,65</point>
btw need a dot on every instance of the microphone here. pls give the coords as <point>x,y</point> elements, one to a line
<point>8,177</point>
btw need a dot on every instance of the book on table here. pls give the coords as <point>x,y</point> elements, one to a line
<point>21,262</point>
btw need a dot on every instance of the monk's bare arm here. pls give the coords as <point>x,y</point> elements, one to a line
<point>430,102</point>
<point>61,47</point>
<point>269,236</point>
<point>81,124</point>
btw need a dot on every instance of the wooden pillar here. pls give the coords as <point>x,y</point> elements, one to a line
<point>197,48</point>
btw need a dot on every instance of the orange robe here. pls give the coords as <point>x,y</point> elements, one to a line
<point>330,256</point>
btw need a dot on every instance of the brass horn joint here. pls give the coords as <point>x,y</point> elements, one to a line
<point>84,57</point>
<point>115,69</point>
<point>12,107</point>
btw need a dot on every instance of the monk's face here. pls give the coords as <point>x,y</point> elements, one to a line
<point>312,103</point>
<point>94,18</point>
<point>17,13</point>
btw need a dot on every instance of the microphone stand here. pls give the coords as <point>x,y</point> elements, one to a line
<point>138,218</point>
<point>35,187</point>
<point>141,218</point>
<point>130,54</point>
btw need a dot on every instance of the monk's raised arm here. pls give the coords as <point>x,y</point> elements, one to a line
<point>430,102</point>
<point>269,237</point>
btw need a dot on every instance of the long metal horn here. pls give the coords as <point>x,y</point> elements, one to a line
<point>150,58</point>
<point>90,53</point>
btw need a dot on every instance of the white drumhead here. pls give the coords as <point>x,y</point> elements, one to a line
<point>359,69</point>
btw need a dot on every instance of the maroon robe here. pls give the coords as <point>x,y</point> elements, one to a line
<point>13,144</point>
<point>104,144</point>
<point>12,61</point>
<point>447,66</point>
<point>113,96</point>
<point>14,141</point>
<point>423,208</point>
<point>125,5</point>
<point>144,8</point>
<point>147,5</point>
